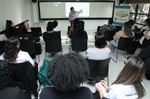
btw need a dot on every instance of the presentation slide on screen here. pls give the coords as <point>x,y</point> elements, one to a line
<point>81,8</point>
<point>49,10</point>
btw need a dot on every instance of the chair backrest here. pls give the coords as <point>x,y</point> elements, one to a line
<point>79,44</point>
<point>118,28</point>
<point>53,46</point>
<point>2,45</point>
<point>23,75</point>
<point>36,31</point>
<point>99,28</point>
<point>27,45</point>
<point>109,35</point>
<point>99,67</point>
<point>125,43</point>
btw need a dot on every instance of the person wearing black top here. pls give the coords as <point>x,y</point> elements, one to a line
<point>23,31</point>
<point>79,31</point>
<point>7,92</point>
<point>10,30</point>
<point>67,72</point>
<point>51,34</point>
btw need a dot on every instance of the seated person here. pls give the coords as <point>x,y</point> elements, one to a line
<point>6,91</point>
<point>100,52</point>
<point>13,54</point>
<point>144,53</point>
<point>126,32</point>
<point>79,32</point>
<point>67,72</point>
<point>10,30</point>
<point>132,24</point>
<point>51,34</point>
<point>74,27</point>
<point>108,27</point>
<point>143,42</point>
<point>146,25</point>
<point>128,84</point>
<point>23,31</point>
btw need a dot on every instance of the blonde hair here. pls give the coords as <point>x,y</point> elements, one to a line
<point>133,74</point>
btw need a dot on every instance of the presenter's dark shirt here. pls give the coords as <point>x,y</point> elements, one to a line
<point>52,93</point>
<point>51,36</point>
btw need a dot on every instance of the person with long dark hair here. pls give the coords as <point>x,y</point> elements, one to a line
<point>128,84</point>
<point>67,72</point>
<point>126,32</point>
<point>13,54</point>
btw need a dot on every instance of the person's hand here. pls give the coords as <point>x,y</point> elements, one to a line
<point>98,88</point>
<point>104,83</point>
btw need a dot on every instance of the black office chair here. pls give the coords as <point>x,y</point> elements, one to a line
<point>53,46</point>
<point>28,46</point>
<point>109,35</point>
<point>23,77</point>
<point>36,31</point>
<point>99,69</point>
<point>147,65</point>
<point>79,44</point>
<point>124,44</point>
<point>2,45</point>
<point>118,28</point>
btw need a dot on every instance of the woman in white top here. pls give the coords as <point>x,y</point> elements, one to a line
<point>128,83</point>
<point>100,52</point>
<point>13,54</point>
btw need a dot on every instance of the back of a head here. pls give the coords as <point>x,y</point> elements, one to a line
<point>11,49</point>
<point>50,26</point>
<point>22,28</point>
<point>76,23</point>
<point>133,74</point>
<point>72,8</point>
<point>110,21</point>
<point>67,71</point>
<point>100,41</point>
<point>4,74</point>
<point>55,24</point>
<point>81,25</point>
<point>127,29</point>
<point>131,22</point>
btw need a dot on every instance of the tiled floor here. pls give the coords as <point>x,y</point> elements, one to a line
<point>114,68</point>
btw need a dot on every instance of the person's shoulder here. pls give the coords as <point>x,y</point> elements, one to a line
<point>107,49</point>
<point>23,53</point>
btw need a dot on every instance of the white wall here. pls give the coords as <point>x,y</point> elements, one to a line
<point>63,24</point>
<point>20,10</point>
<point>15,10</point>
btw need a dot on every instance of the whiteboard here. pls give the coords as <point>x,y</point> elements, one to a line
<point>61,10</point>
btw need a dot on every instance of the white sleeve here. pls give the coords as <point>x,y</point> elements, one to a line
<point>110,94</point>
<point>28,58</point>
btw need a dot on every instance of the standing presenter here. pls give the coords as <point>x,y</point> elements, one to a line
<point>72,15</point>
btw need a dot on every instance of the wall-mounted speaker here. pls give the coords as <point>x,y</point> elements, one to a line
<point>34,1</point>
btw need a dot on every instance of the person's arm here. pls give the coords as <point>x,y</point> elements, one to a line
<point>28,58</point>
<point>115,37</point>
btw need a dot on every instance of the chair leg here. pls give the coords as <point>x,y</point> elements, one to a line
<point>117,56</point>
<point>108,81</point>
<point>115,60</point>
